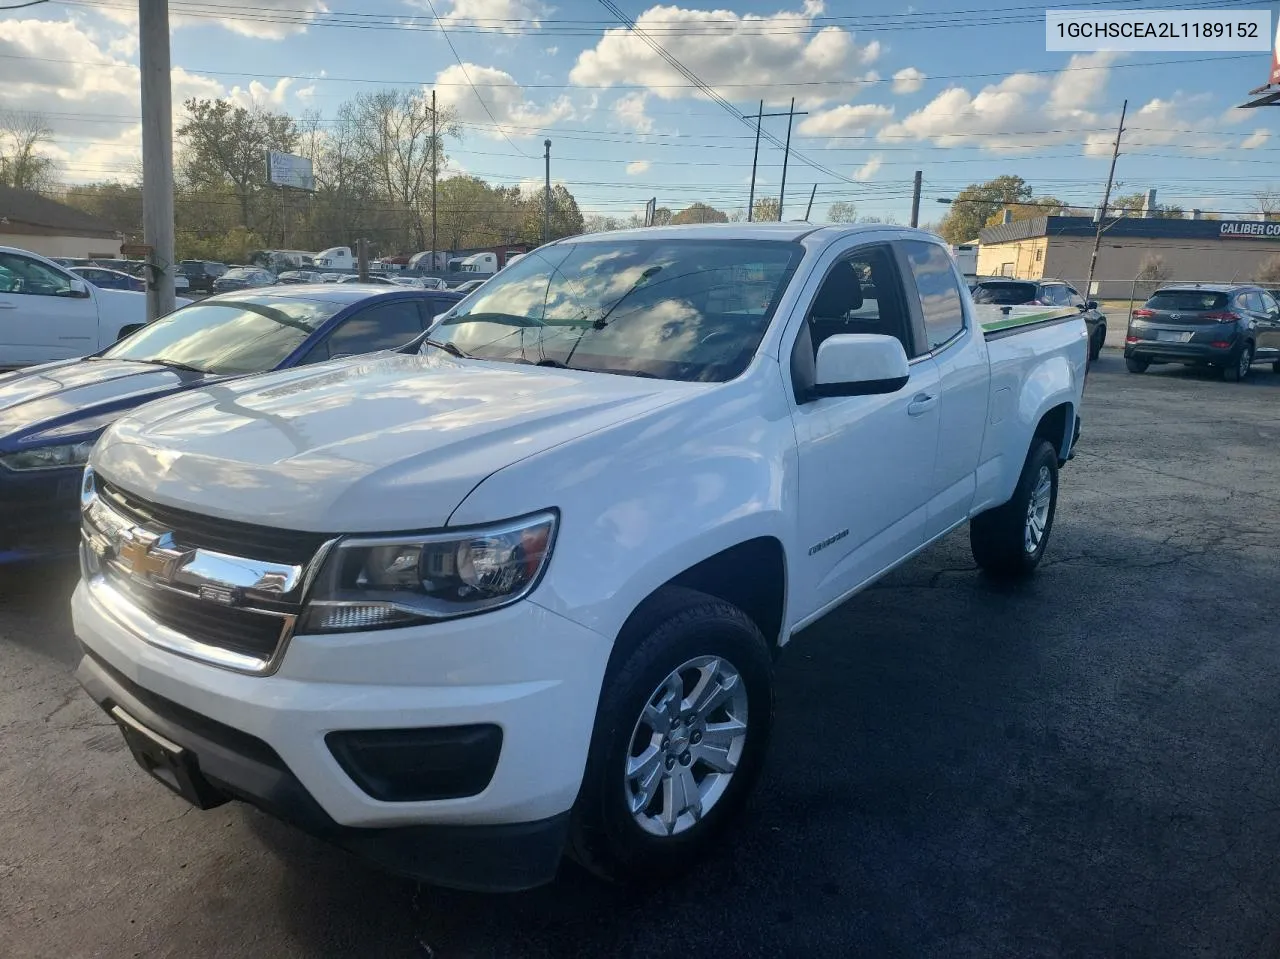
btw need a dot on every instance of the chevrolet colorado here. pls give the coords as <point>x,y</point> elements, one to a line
<point>518,590</point>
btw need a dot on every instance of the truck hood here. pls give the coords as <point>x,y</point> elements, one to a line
<point>60,395</point>
<point>372,444</point>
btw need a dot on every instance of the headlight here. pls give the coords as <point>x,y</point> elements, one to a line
<point>49,457</point>
<point>380,582</point>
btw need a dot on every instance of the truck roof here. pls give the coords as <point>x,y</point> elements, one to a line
<point>743,231</point>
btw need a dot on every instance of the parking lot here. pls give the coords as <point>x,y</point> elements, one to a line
<point>1083,765</point>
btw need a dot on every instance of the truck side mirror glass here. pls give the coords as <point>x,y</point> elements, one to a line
<point>78,289</point>
<point>859,364</point>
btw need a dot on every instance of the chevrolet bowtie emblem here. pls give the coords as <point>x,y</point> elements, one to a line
<point>149,557</point>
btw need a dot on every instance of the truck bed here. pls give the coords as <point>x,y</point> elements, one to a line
<point>1005,320</point>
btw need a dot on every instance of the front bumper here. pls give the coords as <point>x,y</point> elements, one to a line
<point>262,739</point>
<point>39,514</point>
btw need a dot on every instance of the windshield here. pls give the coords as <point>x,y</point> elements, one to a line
<point>1004,294</point>
<point>1187,300</point>
<point>242,335</point>
<point>691,310</point>
<point>242,273</point>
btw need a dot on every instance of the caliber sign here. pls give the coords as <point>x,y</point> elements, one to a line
<point>1249,228</point>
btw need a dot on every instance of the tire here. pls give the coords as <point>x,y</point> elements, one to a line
<point>1275,367</point>
<point>1135,365</point>
<point>1003,540</point>
<point>1238,369</point>
<point>1095,344</point>
<point>676,628</point>
<point>126,330</point>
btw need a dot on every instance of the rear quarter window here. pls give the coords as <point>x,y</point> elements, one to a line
<point>1004,294</point>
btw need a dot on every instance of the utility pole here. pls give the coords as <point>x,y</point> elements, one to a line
<point>435,172</point>
<point>809,208</point>
<point>755,157</point>
<point>786,154</point>
<point>1106,198</point>
<point>546,206</point>
<point>362,259</point>
<point>915,198</point>
<point>157,153</point>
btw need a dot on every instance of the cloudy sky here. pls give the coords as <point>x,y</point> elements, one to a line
<point>957,89</point>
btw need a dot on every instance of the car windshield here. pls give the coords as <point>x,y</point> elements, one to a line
<point>1004,294</point>
<point>241,335</point>
<point>691,310</point>
<point>1187,300</point>
<point>240,274</point>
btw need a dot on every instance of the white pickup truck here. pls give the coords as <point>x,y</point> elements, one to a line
<point>48,313</point>
<point>517,591</point>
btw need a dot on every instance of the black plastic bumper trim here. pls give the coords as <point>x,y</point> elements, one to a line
<point>507,857</point>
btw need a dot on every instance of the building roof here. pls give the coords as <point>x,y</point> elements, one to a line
<point>44,215</point>
<point>1154,228</point>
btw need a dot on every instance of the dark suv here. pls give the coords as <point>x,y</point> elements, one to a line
<point>201,274</point>
<point>1226,325</point>
<point>1006,292</point>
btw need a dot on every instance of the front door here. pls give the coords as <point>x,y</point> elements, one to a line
<point>865,463</point>
<point>1268,335</point>
<point>40,319</point>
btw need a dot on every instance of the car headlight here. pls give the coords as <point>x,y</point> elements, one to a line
<point>372,582</point>
<point>48,457</point>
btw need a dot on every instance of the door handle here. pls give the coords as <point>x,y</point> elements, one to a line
<point>922,403</point>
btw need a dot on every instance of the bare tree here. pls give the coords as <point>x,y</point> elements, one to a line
<point>22,165</point>
<point>842,211</point>
<point>1267,202</point>
<point>1269,272</point>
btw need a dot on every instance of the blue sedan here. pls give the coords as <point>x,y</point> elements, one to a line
<point>51,415</point>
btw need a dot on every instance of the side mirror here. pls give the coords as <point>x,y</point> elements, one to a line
<point>1091,305</point>
<point>78,289</point>
<point>859,364</point>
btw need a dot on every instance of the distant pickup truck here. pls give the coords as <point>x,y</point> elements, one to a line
<point>48,313</point>
<point>518,590</point>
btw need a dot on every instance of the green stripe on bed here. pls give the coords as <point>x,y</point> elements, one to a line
<point>1010,322</point>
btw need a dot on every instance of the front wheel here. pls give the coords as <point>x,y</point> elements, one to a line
<point>1095,345</point>
<point>680,735</point>
<point>1237,371</point>
<point>1010,540</point>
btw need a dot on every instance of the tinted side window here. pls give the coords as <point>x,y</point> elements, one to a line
<point>1269,304</point>
<point>1057,295</point>
<point>938,290</point>
<point>384,327</point>
<point>20,274</point>
<point>1253,303</point>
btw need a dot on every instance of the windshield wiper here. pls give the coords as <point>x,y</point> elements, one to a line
<point>175,365</point>
<point>448,348</point>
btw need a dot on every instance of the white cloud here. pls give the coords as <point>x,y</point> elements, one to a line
<point>847,120</point>
<point>868,169</point>
<point>908,80</point>
<point>504,97</point>
<point>1081,85</point>
<point>741,56</point>
<point>259,94</point>
<point>630,112</point>
<point>499,16</point>
<point>551,51</point>
<point>636,167</point>
<point>292,18</point>
<point>1255,139</point>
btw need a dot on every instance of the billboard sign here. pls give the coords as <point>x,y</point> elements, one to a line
<point>650,210</point>
<point>285,169</point>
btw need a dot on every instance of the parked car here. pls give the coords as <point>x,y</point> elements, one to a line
<point>51,415</point>
<point>299,276</point>
<point>49,313</point>
<point>1223,325</point>
<point>201,274</point>
<point>468,285</point>
<point>1007,292</point>
<point>105,279</point>
<point>521,592</point>
<point>243,278</point>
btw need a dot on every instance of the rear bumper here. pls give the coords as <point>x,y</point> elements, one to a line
<point>235,765</point>
<point>1157,351</point>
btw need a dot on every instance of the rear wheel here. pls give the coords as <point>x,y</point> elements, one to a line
<point>1010,540</point>
<point>680,736</point>
<point>1237,371</point>
<point>1134,365</point>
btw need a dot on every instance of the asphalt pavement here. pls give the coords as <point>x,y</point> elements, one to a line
<point>1084,765</point>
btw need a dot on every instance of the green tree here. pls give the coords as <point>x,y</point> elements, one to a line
<point>700,213</point>
<point>975,204</point>
<point>1131,205</point>
<point>120,204</point>
<point>766,210</point>
<point>842,211</point>
<point>225,150</point>
<point>23,166</point>
<point>1039,206</point>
